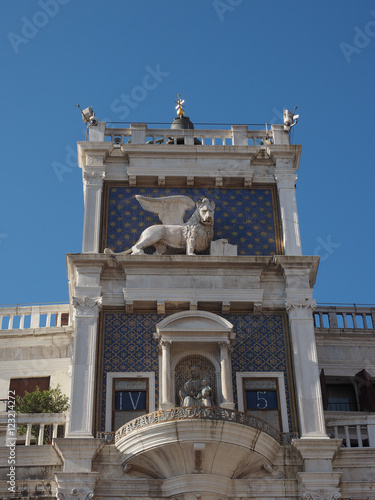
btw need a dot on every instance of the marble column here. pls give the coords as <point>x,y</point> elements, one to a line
<point>226,375</point>
<point>166,402</point>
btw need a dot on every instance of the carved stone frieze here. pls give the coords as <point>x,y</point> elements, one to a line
<point>93,178</point>
<point>86,307</point>
<point>190,181</point>
<point>219,182</point>
<point>332,494</point>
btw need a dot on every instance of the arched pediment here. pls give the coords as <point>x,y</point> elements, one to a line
<point>194,326</point>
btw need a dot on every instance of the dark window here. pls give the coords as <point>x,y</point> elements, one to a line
<point>341,397</point>
<point>21,385</point>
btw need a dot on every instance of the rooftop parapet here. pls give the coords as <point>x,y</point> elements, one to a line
<point>141,133</point>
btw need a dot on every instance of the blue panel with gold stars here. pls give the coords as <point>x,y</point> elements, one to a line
<point>245,217</point>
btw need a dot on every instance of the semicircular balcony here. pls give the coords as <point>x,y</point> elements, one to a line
<point>205,440</point>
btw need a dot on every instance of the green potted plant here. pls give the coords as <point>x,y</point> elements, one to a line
<point>48,401</point>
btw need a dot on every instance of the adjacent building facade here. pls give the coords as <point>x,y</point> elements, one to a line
<point>195,358</point>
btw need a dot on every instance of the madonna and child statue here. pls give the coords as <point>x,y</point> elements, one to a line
<point>196,391</point>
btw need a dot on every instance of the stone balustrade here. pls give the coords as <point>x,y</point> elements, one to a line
<point>356,430</point>
<point>29,421</point>
<point>139,133</point>
<point>342,317</point>
<point>203,413</point>
<point>31,317</point>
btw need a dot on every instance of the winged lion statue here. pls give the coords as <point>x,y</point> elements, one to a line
<point>195,235</point>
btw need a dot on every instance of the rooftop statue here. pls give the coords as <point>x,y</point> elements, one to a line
<point>195,235</point>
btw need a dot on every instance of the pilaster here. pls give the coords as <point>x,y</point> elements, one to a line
<point>300,306</point>
<point>285,176</point>
<point>93,174</point>
<point>87,302</point>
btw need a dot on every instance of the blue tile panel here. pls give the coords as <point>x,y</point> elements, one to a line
<point>260,346</point>
<point>129,346</point>
<point>245,217</point>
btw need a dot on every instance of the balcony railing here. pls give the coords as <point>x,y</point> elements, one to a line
<point>31,428</point>
<point>203,413</point>
<point>356,430</point>
<point>31,317</point>
<point>341,317</point>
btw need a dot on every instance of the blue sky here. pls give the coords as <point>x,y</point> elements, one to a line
<point>232,61</point>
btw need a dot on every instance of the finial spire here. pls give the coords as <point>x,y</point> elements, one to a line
<point>179,107</point>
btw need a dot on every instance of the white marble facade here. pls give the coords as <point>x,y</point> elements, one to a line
<point>197,452</point>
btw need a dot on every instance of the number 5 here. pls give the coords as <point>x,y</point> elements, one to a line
<point>260,405</point>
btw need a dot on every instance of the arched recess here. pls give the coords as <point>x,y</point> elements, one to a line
<point>195,333</point>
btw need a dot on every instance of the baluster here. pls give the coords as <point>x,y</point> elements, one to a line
<point>354,321</point>
<point>22,321</point>
<point>41,434</point>
<point>1,321</point>
<point>58,319</point>
<point>10,324</point>
<point>365,327</point>
<point>344,320</point>
<point>321,324</point>
<point>359,436</point>
<point>336,431</point>
<point>54,430</point>
<point>48,319</point>
<point>28,435</point>
<point>347,437</point>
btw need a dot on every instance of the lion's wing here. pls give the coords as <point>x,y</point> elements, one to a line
<point>170,209</point>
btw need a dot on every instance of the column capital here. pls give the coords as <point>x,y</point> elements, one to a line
<point>93,178</point>
<point>285,178</point>
<point>166,344</point>
<point>87,307</point>
<point>301,308</point>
